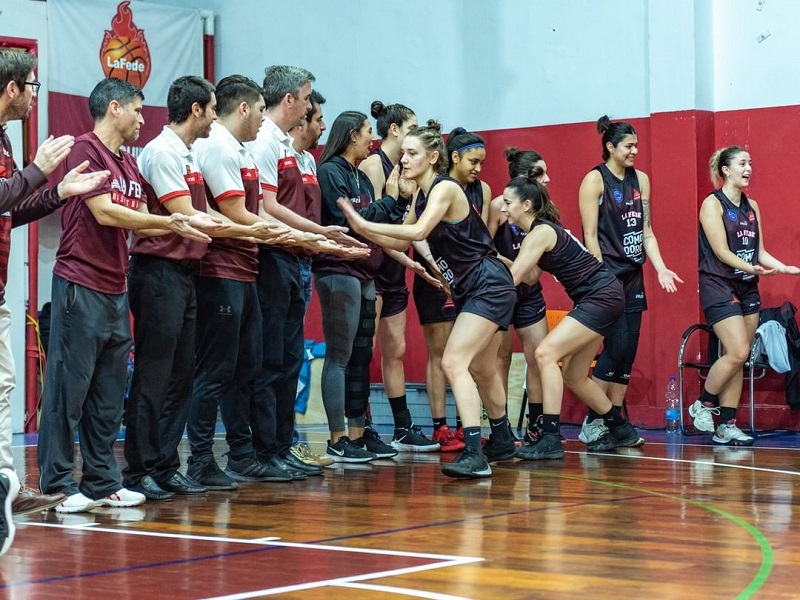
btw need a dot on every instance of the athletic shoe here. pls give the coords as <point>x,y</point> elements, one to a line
<point>548,446</point>
<point>249,469</point>
<point>9,488</point>
<point>728,434</point>
<point>499,449</point>
<point>702,414</point>
<point>304,453</point>
<point>446,439</point>
<point>535,431</point>
<point>77,503</point>
<point>469,465</point>
<point>344,450</point>
<point>205,471</point>
<point>592,430</point>
<point>626,436</point>
<point>411,439</point>
<point>372,442</point>
<point>603,444</point>
<point>122,498</point>
<point>460,437</point>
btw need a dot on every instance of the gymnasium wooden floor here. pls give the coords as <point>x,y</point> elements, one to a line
<point>671,520</point>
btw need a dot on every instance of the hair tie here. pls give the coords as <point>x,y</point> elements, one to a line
<point>470,147</point>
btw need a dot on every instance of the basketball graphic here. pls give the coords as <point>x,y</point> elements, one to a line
<point>124,53</point>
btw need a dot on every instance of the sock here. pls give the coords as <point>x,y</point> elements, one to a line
<point>501,431</point>
<point>472,439</point>
<point>459,424</point>
<point>712,399</point>
<point>439,422</point>
<point>550,424</point>
<point>726,414</point>
<point>402,419</point>
<point>612,418</point>
<point>593,416</point>
<point>534,412</point>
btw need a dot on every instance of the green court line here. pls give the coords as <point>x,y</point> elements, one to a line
<point>767,555</point>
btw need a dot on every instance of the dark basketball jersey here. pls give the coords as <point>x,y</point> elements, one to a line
<point>571,263</point>
<point>391,275</point>
<point>457,247</point>
<point>508,241</point>
<point>741,231</point>
<point>474,192</point>
<point>620,229</point>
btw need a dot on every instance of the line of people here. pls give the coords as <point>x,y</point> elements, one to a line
<point>231,215</point>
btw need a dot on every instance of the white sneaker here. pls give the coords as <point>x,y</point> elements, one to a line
<point>729,434</point>
<point>77,503</point>
<point>9,488</point>
<point>592,431</point>
<point>702,415</point>
<point>122,498</point>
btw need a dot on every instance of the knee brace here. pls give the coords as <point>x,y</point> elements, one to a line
<point>615,362</point>
<point>357,377</point>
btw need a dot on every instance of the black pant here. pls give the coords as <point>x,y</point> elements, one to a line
<point>282,295</point>
<point>162,297</point>
<point>228,352</point>
<point>90,339</point>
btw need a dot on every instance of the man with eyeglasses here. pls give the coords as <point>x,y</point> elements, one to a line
<point>23,199</point>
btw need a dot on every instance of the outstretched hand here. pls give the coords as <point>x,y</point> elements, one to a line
<point>52,152</point>
<point>339,235</point>
<point>790,270</point>
<point>759,270</point>
<point>76,182</point>
<point>179,223</point>
<point>423,272</point>
<point>667,280</point>
<point>205,222</point>
<point>357,222</point>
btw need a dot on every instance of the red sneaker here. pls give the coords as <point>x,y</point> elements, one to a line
<point>447,440</point>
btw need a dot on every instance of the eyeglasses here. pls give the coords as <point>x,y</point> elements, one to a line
<point>35,85</point>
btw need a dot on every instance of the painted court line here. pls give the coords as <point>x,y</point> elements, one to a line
<point>688,462</point>
<point>386,589</point>
<point>348,581</point>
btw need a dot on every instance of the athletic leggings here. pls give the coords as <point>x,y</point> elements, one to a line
<point>348,322</point>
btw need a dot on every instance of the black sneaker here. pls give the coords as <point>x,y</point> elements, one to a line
<point>249,469</point>
<point>205,471</point>
<point>372,442</point>
<point>548,446</point>
<point>298,465</point>
<point>469,465</point>
<point>626,436</point>
<point>344,450</point>
<point>411,439</point>
<point>499,449</point>
<point>603,444</point>
<point>276,464</point>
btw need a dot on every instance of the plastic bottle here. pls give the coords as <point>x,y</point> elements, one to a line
<point>672,415</point>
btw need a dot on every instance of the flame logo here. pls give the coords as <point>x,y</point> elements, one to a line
<point>124,53</point>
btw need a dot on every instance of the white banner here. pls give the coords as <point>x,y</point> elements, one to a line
<point>150,45</point>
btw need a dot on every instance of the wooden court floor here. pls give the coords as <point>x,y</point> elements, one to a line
<point>671,520</point>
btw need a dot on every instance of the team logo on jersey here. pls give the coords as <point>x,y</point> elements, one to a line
<point>732,216</point>
<point>636,195</point>
<point>124,53</point>
<point>617,195</point>
<point>751,216</point>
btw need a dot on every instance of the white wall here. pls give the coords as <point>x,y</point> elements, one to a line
<point>749,73</point>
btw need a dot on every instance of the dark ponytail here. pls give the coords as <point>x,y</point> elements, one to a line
<point>528,187</point>
<point>613,132</point>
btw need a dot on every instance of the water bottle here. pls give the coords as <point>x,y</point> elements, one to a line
<point>672,415</point>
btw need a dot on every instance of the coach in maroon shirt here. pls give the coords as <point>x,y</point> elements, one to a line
<point>90,330</point>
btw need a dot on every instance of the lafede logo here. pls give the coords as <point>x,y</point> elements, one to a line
<point>124,53</point>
